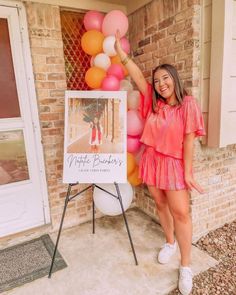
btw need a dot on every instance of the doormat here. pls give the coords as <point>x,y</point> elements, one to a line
<point>28,261</point>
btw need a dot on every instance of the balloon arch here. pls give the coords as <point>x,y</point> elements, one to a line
<point>106,72</point>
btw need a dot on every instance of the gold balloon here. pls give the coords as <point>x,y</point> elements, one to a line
<point>94,77</point>
<point>133,177</point>
<point>131,163</point>
<point>92,42</point>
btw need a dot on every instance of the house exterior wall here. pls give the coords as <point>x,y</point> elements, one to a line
<point>170,31</point>
<point>162,31</point>
<point>49,71</point>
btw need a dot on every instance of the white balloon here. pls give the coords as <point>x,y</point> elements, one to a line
<point>133,99</point>
<point>108,45</point>
<point>126,85</point>
<point>109,204</point>
<point>103,61</point>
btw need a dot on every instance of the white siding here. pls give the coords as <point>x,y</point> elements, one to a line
<point>222,94</point>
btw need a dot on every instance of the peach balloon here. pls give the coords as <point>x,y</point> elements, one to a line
<point>133,100</point>
<point>133,177</point>
<point>94,77</point>
<point>135,123</point>
<point>131,163</point>
<point>126,85</point>
<point>92,41</point>
<point>113,21</point>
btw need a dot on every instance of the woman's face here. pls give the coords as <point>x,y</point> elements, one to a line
<point>164,84</point>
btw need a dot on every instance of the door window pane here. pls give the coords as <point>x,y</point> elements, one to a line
<point>9,105</point>
<point>13,162</point>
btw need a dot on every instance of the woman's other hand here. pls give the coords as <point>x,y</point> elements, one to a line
<point>192,184</point>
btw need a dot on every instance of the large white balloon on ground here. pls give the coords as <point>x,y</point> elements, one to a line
<point>110,205</point>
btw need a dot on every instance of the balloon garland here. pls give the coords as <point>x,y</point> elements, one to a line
<point>108,73</point>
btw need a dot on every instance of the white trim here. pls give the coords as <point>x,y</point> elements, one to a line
<point>32,101</point>
<point>33,107</point>
<point>82,4</point>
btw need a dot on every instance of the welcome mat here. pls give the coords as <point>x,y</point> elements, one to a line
<point>27,262</point>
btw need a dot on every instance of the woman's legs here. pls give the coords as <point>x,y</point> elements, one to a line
<point>178,202</point>
<point>164,214</point>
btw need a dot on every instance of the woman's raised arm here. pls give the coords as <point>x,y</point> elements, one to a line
<point>131,66</point>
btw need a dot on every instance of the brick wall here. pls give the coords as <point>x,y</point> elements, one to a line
<point>162,31</point>
<point>49,72</point>
<point>169,32</point>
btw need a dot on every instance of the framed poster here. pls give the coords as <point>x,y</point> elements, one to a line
<point>95,137</point>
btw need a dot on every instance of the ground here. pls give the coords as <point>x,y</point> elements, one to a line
<point>220,279</point>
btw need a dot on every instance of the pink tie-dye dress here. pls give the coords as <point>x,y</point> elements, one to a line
<point>161,163</point>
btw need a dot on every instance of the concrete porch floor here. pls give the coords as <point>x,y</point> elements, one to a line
<point>103,263</point>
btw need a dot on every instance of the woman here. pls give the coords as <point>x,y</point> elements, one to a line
<point>173,120</point>
<point>95,138</point>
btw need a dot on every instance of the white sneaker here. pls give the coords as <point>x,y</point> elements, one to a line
<point>167,251</point>
<point>185,280</point>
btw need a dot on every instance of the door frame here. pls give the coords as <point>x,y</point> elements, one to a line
<point>32,100</point>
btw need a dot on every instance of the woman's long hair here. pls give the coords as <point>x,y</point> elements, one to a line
<point>180,92</point>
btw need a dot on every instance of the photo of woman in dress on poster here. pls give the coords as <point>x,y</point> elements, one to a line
<point>95,125</point>
<point>95,138</point>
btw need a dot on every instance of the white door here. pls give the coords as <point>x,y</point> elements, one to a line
<point>23,197</point>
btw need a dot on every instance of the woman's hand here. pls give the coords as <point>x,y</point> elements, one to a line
<point>192,184</point>
<point>117,45</point>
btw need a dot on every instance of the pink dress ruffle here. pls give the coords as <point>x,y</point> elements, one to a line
<point>162,161</point>
<point>162,171</point>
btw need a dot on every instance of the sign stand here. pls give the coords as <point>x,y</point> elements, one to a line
<point>70,197</point>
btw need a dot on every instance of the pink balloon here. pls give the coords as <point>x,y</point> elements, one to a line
<point>116,70</point>
<point>110,82</point>
<point>125,45</point>
<point>93,20</point>
<point>113,21</point>
<point>134,123</point>
<point>133,144</point>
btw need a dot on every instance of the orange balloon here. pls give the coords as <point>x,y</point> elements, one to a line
<point>116,60</point>
<point>94,77</point>
<point>133,177</point>
<point>131,163</point>
<point>92,42</point>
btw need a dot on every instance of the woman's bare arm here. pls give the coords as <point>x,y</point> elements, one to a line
<point>131,67</point>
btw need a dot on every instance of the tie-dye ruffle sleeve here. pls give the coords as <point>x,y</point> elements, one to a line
<point>192,115</point>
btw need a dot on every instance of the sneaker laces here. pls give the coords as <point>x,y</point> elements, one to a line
<point>186,274</point>
<point>168,246</point>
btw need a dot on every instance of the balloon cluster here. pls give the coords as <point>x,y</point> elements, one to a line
<point>108,73</point>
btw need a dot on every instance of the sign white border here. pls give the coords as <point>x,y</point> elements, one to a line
<point>96,167</point>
